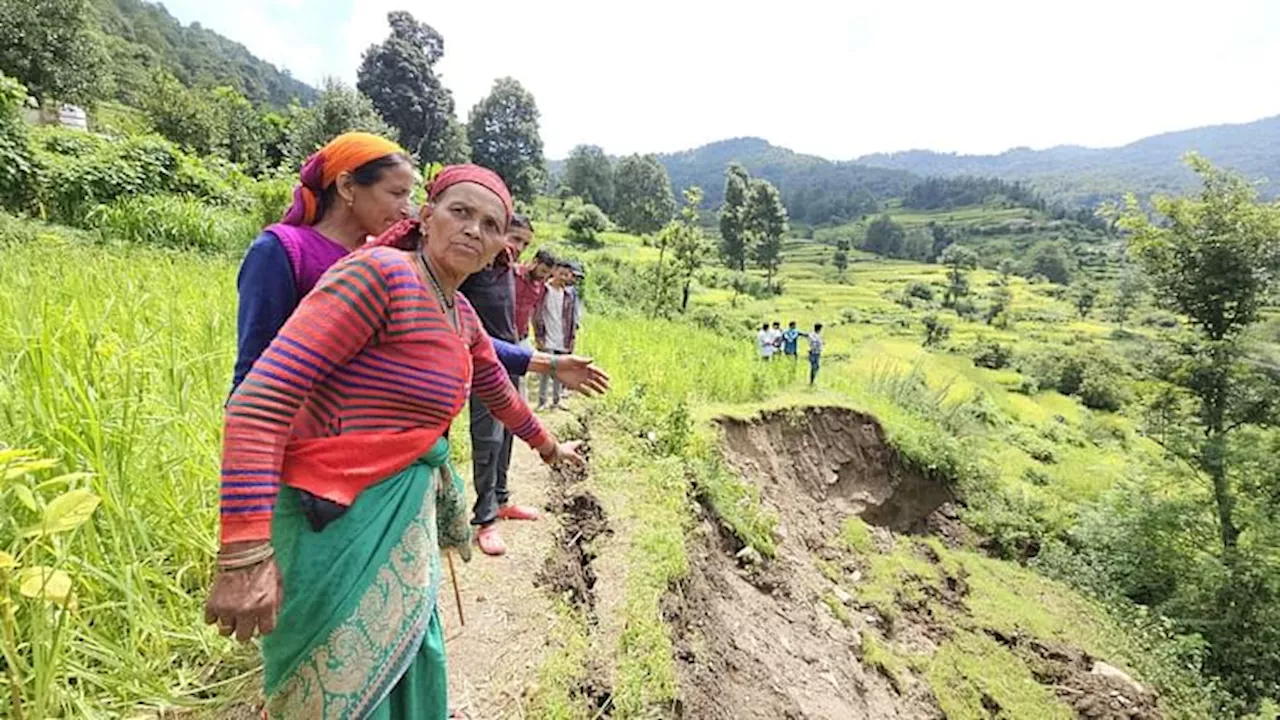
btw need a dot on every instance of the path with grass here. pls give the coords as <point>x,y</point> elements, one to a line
<point>495,656</point>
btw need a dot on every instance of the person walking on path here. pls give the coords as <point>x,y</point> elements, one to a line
<point>791,341</point>
<point>350,404</point>
<point>815,352</point>
<point>554,327</point>
<point>492,292</point>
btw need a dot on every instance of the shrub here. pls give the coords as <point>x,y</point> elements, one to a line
<point>921,290</point>
<point>993,355</point>
<point>81,171</point>
<point>173,222</point>
<point>936,330</point>
<point>585,222</point>
<point>1102,389</point>
<point>18,170</point>
<point>1161,319</point>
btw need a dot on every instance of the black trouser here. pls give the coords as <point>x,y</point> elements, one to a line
<point>490,458</point>
<point>815,360</point>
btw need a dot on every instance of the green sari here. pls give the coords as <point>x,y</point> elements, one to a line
<point>359,635</point>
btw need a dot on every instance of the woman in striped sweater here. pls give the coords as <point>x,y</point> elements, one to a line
<point>350,404</point>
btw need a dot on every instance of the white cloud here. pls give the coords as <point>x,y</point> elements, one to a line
<point>837,79</point>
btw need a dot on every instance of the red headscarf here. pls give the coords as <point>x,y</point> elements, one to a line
<point>406,233</point>
<point>343,154</point>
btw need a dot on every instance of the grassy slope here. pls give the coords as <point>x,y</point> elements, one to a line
<point>119,367</point>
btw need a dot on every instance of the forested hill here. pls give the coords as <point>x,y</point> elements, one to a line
<point>142,36</point>
<point>1087,175</point>
<point>815,190</point>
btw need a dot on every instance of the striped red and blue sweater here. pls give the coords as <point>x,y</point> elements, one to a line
<point>369,351</point>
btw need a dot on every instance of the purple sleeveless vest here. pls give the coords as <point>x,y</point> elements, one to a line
<point>310,254</point>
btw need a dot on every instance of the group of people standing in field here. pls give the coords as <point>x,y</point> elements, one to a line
<point>773,340</point>
<point>364,326</point>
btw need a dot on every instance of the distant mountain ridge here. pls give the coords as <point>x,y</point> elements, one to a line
<point>1086,176</point>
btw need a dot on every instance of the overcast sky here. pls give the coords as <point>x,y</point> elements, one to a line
<point>837,79</point>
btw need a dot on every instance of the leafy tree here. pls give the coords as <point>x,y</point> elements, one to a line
<point>943,237</point>
<point>1086,296</point>
<point>1050,260</point>
<point>959,260</point>
<point>936,330</point>
<point>585,222</point>
<point>642,194</point>
<point>51,46</point>
<point>340,108</point>
<point>733,237</point>
<point>399,76</point>
<point>997,311</point>
<point>1006,269</point>
<point>884,237</point>
<point>180,114</point>
<point>1128,294</point>
<point>767,225</point>
<point>690,245</point>
<point>589,174</point>
<point>17,166</point>
<point>503,131</point>
<point>1215,259</point>
<point>840,258</point>
<point>240,133</point>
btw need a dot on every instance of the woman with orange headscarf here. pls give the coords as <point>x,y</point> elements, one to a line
<point>356,186</point>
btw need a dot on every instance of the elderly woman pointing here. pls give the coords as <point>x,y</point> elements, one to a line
<point>349,406</point>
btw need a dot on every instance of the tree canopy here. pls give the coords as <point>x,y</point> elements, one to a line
<point>53,48</point>
<point>398,75</point>
<point>589,174</point>
<point>503,132</point>
<point>643,201</point>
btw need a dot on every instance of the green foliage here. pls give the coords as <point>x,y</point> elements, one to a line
<point>585,223</point>
<point>52,47</point>
<point>766,224</point>
<point>174,222</point>
<point>1129,292</point>
<point>936,330</point>
<point>734,243</point>
<point>993,355</point>
<point>840,257</point>
<point>398,76</point>
<point>884,237</point>
<point>589,175</point>
<point>143,36</point>
<point>184,116</point>
<point>856,536</point>
<point>18,169</point>
<point>959,260</point>
<point>1086,296</point>
<point>970,672</point>
<point>503,132</point>
<point>338,109</point>
<point>1049,259</point>
<point>642,194</point>
<point>689,245</point>
<point>80,171</point>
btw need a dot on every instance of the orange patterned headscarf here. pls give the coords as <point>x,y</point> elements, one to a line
<point>344,153</point>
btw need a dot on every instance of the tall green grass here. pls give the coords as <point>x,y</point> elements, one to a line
<point>116,363</point>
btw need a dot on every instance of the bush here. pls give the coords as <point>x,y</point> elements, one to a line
<point>921,290</point>
<point>18,170</point>
<point>81,171</point>
<point>173,222</point>
<point>585,222</point>
<point>1097,380</point>
<point>1161,319</point>
<point>1101,389</point>
<point>936,330</point>
<point>993,355</point>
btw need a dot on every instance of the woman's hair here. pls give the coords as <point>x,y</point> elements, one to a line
<point>522,222</point>
<point>364,176</point>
